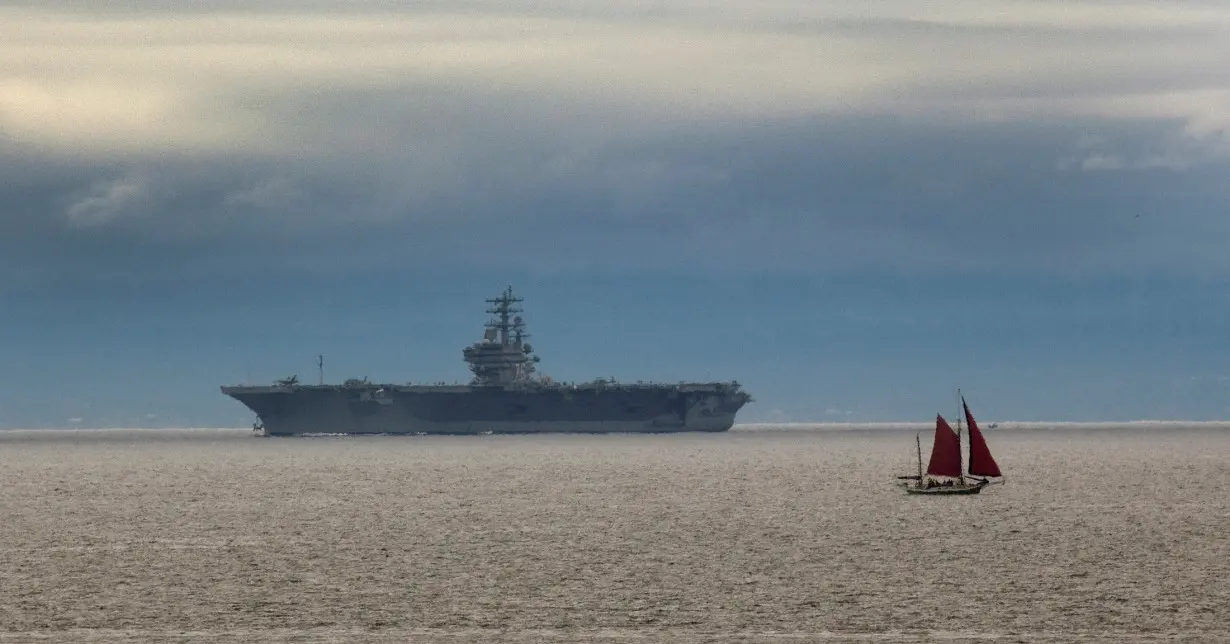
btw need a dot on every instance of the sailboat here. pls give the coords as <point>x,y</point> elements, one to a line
<point>944,475</point>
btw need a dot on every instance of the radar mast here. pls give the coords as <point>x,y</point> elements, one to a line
<point>503,357</point>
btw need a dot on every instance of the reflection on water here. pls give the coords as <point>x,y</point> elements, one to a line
<point>750,536</point>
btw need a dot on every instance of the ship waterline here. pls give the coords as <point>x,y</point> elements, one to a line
<point>506,396</point>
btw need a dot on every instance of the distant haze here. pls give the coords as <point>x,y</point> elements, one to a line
<point>853,209</point>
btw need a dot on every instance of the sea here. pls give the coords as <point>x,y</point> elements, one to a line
<point>767,533</point>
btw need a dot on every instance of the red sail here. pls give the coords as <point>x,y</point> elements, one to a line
<point>946,452</point>
<point>981,463</point>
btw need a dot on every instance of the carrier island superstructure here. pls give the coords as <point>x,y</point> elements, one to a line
<point>505,396</point>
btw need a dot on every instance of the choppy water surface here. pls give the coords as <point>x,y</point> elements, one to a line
<point>750,536</point>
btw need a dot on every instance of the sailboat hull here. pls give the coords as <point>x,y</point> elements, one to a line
<point>953,489</point>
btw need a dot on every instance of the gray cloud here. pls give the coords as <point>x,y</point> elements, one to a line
<point>811,194</point>
<point>108,201</point>
<point>779,136</point>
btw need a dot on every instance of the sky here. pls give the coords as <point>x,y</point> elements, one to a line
<point>852,208</point>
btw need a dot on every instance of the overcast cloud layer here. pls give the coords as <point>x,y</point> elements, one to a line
<point>822,200</point>
<point>769,135</point>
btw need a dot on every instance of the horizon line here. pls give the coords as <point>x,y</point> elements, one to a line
<point>749,426</point>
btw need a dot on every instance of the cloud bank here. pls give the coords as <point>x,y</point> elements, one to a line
<point>167,138</point>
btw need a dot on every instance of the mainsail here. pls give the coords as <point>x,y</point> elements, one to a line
<point>981,463</point>
<point>945,452</point>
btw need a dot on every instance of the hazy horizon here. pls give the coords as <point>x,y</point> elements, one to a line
<point>903,425</point>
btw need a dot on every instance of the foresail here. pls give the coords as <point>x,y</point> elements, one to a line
<point>945,451</point>
<point>981,463</point>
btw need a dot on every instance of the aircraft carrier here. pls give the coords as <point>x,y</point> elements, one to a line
<point>505,396</point>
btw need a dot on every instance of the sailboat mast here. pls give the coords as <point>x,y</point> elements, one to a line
<point>960,416</point>
<point>918,442</point>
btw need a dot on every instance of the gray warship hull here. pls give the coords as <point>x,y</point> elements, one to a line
<point>420,409</point>
<point>506,396</point>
